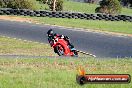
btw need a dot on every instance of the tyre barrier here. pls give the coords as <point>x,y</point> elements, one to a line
<point>70,15</point>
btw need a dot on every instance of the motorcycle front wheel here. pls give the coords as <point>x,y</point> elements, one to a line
<point>59,50</point>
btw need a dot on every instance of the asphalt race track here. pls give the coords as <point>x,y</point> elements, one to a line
<point>96,43</point>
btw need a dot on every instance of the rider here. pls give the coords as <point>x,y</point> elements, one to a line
<point>51,36</point>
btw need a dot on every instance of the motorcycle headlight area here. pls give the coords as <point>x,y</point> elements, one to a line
<point>56,40</point>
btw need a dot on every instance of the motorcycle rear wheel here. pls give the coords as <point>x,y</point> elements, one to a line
<point>75,53</point>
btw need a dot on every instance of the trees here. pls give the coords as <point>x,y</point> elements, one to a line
<point>54,5</point>
<point>109,7</point>
<point>126,3</point>
<point>17,4</point>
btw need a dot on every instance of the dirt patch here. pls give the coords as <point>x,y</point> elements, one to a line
<point>20,19</point>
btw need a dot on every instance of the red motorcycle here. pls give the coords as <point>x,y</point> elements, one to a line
<point>62,48</point>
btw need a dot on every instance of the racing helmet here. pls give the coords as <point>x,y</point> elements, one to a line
<point>50,32</point>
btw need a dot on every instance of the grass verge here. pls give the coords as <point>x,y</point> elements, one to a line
<point>58,73</point>
<point>19,47</point>
<point>109,26</point>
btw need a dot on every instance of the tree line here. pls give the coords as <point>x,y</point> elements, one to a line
<point>106,6</point>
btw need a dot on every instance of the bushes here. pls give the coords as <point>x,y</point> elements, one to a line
<point>17,4</point>
<point>43,1</point>
<point>59,5</point>
<point>2,4</point>
<point>109,7</point>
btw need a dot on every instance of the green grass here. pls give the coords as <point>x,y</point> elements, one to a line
<point>38,5</point>
<point>110,26</point>
<point>58,73</point>
<point>126,11</point>
<point>18,47</point>
<point>79,7</point>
